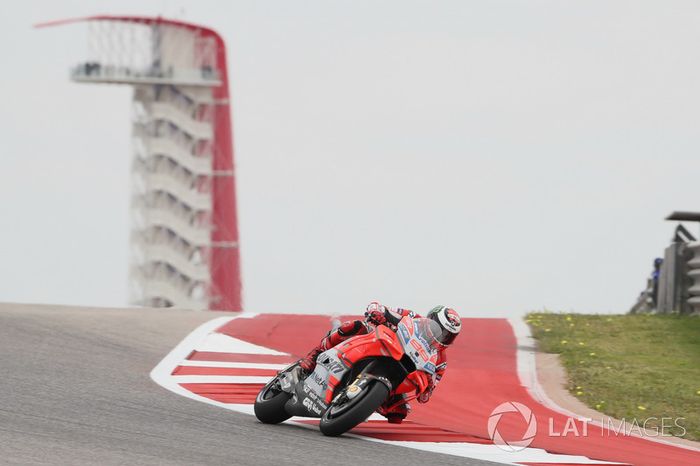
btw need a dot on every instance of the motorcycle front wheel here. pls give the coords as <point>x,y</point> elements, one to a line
<point>269,404</point>
<point>338,419</point>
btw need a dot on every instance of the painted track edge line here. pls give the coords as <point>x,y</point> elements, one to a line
<point>161,375</point>
<point>232,365</point>
<point>527,373</point>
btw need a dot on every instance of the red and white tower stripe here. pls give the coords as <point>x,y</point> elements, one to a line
<point>185,249</point>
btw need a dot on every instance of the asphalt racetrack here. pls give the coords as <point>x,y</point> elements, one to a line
<point>75,390</point>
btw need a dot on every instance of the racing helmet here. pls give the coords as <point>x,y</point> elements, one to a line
<point>449,321</point>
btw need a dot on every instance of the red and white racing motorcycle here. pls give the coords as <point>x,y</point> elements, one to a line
<point>353,379</point>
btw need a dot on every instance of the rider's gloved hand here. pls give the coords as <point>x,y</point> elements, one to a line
<point>375,313</point>
<point>425,396</point>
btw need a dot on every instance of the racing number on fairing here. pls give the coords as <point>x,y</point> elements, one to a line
<point>420,350</point>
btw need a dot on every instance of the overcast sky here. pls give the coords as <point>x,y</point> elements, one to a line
<point>496,156</point>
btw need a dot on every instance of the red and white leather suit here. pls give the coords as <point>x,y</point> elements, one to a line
<point>395,409</point>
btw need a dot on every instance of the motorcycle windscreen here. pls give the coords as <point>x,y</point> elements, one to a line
<point>430,331</point>
<point>419,339</point>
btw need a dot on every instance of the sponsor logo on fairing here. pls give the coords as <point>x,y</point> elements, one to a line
<point>404,333</point>
<point>419,336</point>
<point>319,380</point>
<point>310,393</point>
<point>334,366</point>
<point>311,406</point>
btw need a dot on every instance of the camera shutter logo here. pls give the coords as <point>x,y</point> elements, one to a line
<point>512,407</point>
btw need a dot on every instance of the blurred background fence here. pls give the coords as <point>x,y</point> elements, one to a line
<point>674,284</point>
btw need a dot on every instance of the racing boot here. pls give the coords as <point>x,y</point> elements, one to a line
<point>395,409</point>
<point>346,330</point>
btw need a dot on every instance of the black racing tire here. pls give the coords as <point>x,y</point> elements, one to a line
<point>269,404</point>
<point>368,402</point>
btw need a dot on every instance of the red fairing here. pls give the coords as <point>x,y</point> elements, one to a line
<point>416,381</point>
<point>382,342</point>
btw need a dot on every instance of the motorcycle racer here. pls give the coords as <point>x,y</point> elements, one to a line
<point>395,408</point>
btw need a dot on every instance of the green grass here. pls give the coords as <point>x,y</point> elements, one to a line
<point>629,366</point>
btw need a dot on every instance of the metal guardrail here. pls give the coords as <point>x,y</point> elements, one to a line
<point>672,280</point>
<point>645,301</point>
<point>677,286</point>
<point>694,274</point>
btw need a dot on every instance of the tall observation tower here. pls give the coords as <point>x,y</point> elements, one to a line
<point>184,237</point>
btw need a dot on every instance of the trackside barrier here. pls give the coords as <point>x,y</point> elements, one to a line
<point>672,279</point>
<point>675,286</point>
<point>694,274</point>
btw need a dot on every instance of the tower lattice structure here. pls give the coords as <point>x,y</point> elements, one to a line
<point>184,232</point>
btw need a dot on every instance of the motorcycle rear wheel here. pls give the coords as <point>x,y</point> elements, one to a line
<point>361,408</point>
<point>269,404</point>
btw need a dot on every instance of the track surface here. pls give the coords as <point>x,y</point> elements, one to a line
<point>482,374</point>
<point>74,389</point>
